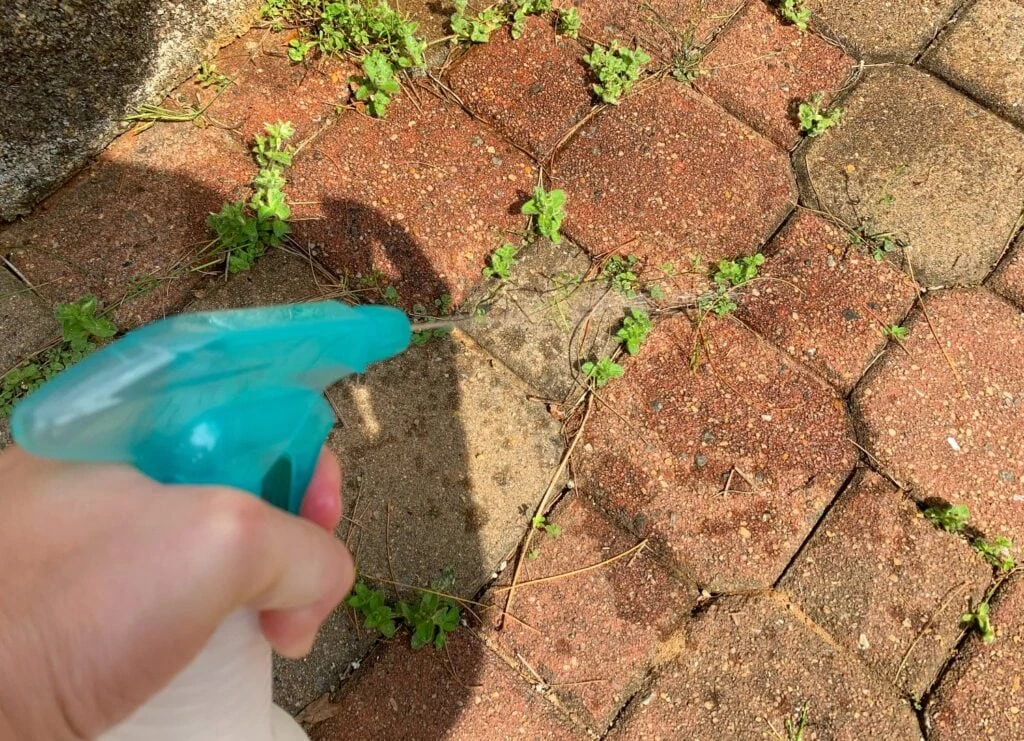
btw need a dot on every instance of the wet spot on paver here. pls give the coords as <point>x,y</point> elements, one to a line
<point>775,438</point>
<point>882,30</point>
<point>632,599</point>
<point>894,598</point>
<point>915,158</point>
<point>761,68</point>
<point>824,301</point>
<point>983,53</point>
<point>752,664</point>
<point>668,176</point>
<point>946,434</point>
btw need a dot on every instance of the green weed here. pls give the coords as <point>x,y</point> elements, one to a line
<point>246,230</point>
<point>950,517</point>
<point>815,120</point>
<point>895,332</point>
<point>208,76</point>
<point>475,29</point>
<point>620,272</point>
<point>568,23</point>
<point>372,605</point>
<point>548,206</point>
<point>686,60</point>
<point>540,522</point>
<point>979,620</point>
<point>430,619</point>
<point>879,244</point>
<point>796,12</point>
<point>524,9</point>
<point>603,371</point>
<point>728,276</point>
<point>502,261</point>
<point>617,69</point>
<point>442,308</point>
<point>795,730</point>
<point>146,115</point>
<point>82,330</point>
<point>635,329</point>
<point>378,84</point>
<point>996,552</point>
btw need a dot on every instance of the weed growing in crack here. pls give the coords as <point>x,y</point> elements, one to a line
<point>949,517</point>
<point>524,9</point>
<point>475,29</point>
<point>796,12</point>
<point>979,620</point>
<point>430,619</point>
<point>246,230</point>
<point>548,208</point>
<point>540,522</point>
<point>442,308</point>
<point>635,329</point>
<point>816,120</point>
<point>895,332</point>
<point>568,23</point>
<point>620,272</point>
<point>996,552</point>
<point>502,261</point>
<point>82,331</point>
<point>208,76</point>
<point>602,371</point>
<point>686,60</point>
<point>729,275</point>
<point>616,68</point>
<point>378,84</point>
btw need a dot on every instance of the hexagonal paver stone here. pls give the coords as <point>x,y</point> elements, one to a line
<point>894,598</point>
<point>961,443</point>
<point>981,696</point>
<point>464,693</point>
<point>669,176</point>
<point>727,467</point>
<point>26,323</point>
<point>421,197</point>
<point>916,158</point>
<point>659,26</point>
<point>824,302</point>
<point>632,599</point>
<point>551,315</point>
<point>1008,279</point>
<point>532,89</point>
<point>983,53</point>
<point>761,68</point>
<point>882,30</point>
<point>131,223</point>
<point>753,664</point>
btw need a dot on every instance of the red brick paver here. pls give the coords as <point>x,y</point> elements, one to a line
<point>825,302</point>
<point>659,452</point>
<point>667,175</point>
<point>751,664</point>
<point>123,224</point>
<point>570,619</point>
<point>761,68</point>
<point>893,595</point>
<point>464,692</point>
<point>422,196</point>
<point>532,89</point>
<point>961,444</point>
<point>981,697</point>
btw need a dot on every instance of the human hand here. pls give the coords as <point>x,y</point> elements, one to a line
<point>110,584</point>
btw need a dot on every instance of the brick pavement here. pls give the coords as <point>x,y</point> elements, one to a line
<point>742,529</point>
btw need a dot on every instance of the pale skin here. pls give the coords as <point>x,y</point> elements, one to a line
<point>110,583</point>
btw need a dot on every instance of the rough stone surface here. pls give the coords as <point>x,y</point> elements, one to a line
<point>659,452</point>
<point>532,89</point>
<point>760,69</point>
<point>549,317</point>
<point>964,445</point>
<point>26,323</point>
<point>1008,279</point>
<point>130,224</point>
<point>690,180</point>
<point>752,664</point>
<point>422,196</point>
<point>656,25</point>
<point>278,277</point>
<point>983,53</point>
<point>905,585</point>
<point>5,433</point>
<point>880,30</point>
<point>916,158</point>
<point>74,69</point>
<point>464,693</point>
<point>825,302</point>
<point>981,696</point>
<point>632,599</point>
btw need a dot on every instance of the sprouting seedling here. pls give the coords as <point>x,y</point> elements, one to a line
<point>540,522</point>
<point>524,8</point>
<point>795,731</point>
<point>616,68</point>
<point>895,332</point>
<point>815,120</point>
<point>635,329</point>
<point>568,22</point>
<point>950,517</point>
<point>208,75</point>
<point>548,206</point>
<point>686,60</point>
<point>796,12</point>
<point>620,272</point>
<point>728,276</point>
<point>476,29</point>
<point>996,552</point>
<point>603,371</point>
<point>979,620</point>
<point>372,605</point>
<point>502,261</point>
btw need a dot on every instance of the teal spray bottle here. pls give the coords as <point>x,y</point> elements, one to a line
<point>232,398</point>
